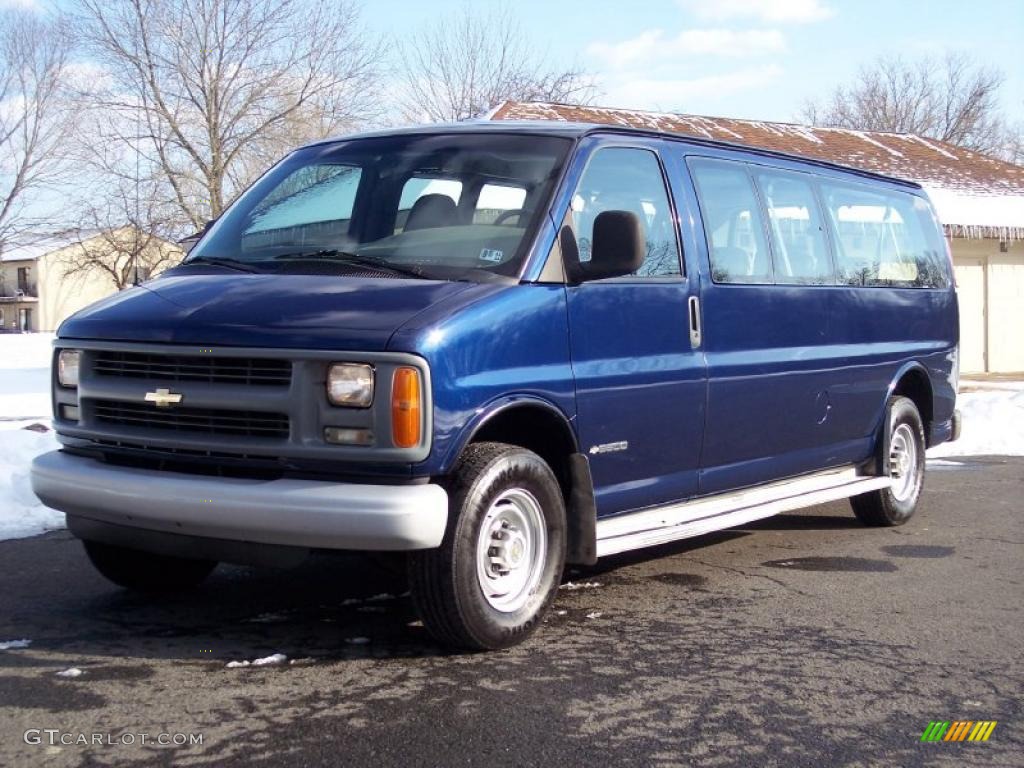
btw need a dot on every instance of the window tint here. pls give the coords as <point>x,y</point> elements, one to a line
<point>623,179</point>
<point>884,238</point>
<point>495,201</point>
<point>799,247</point>
<point>732,222</point>
<point>313,203</point>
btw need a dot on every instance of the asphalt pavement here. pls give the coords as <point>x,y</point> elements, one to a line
<point>802,640</point>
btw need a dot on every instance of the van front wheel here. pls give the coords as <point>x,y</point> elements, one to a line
<point>906,462</point>
<point>498,568</point>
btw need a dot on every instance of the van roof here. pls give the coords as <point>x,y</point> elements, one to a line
<point>575,130</point>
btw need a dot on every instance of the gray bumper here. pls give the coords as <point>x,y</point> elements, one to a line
<point>303,513</point>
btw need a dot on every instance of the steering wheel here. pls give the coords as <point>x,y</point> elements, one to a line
<point>520,212</point>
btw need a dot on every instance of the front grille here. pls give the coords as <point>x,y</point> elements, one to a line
<point>208,421</point>
<point>217,370</point>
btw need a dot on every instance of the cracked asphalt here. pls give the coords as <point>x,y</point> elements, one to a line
<point>803,640</point>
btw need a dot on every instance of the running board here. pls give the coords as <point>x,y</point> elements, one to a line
<point>649,527</point>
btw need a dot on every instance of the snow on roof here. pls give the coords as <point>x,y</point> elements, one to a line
<point>974,195</point>
<point>40,246</point>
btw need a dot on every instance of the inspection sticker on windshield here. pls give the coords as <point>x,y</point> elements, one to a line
<point>491,254</point>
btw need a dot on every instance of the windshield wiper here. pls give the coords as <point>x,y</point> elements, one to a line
<point>348,257</point>
<point>218,261</point>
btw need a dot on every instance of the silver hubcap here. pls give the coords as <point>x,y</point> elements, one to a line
<point>511,550</point>
<point>903,462</point>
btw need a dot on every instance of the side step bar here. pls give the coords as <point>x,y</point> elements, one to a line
<point>649,527</point>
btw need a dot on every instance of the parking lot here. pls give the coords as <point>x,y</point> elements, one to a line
<point>805,639</point>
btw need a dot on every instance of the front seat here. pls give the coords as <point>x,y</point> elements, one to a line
<point>431,211</point>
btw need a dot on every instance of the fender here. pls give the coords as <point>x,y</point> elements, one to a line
<point>495,407</point>
<point>882,426</point>
<point>581,507</point>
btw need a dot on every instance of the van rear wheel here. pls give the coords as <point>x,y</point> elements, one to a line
<point>146,572</point>
<point>498,568</point>
<point>906,464</point>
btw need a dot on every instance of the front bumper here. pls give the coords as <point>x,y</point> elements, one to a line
<point>289,512</point>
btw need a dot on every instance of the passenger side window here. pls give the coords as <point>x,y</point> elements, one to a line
<point>799,249</point>
<point>624,179</point>
<point>732,222</point>
<point>884,238</point>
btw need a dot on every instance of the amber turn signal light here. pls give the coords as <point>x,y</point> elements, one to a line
<point>406,407</point>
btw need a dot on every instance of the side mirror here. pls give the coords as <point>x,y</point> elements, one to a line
<point>617,247</point>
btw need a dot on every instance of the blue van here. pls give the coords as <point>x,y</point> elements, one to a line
<point>501,348</point>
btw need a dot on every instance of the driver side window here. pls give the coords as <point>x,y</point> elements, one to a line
<point>626,179</point>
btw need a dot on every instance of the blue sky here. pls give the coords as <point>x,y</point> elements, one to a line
<point>756,59</point>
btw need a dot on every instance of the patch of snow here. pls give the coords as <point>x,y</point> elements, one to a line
<point>381,596</point>
<point>10,645</point>
<point>930,145</point>
<point>24,402</point>
<point>595,615</point>
<point>357,640</point>
<point>572,586</point>
<point>72,672</point>
<point>21,513</point>
<point>993,424</point>
<point>266,661</point>
<point>274,658</point>
<point>983,214</point>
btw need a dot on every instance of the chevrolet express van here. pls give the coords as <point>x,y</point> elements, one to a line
<point>501,348</point>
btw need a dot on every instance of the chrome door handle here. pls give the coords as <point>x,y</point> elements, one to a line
<point>695,335</point>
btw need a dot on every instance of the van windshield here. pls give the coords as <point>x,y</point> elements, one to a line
<point>455,206</point>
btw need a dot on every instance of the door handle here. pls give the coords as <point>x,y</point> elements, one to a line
<point>695,335</point>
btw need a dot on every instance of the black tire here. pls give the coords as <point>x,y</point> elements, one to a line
<point>446,582</point>
<point>146,572</point>
<point>886,507</point>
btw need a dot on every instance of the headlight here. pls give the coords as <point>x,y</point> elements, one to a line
<point>350,384</point>
<point>67,367</point>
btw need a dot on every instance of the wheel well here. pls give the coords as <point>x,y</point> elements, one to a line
<point>915,385</point>
<point>539,430</point>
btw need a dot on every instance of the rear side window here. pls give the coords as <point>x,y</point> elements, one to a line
<point>732,222</point>
<point>799,246</point>
<point>625,179</point>
<point>884,238</point>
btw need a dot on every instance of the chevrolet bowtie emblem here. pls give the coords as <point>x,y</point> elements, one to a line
<point>163,398</point>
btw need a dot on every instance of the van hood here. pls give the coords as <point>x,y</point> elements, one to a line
<point>290,311</point>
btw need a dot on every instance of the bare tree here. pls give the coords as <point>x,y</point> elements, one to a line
<point>460,66</point>
<point>204,94</point>
<point>953,99</point>
<point>125,235</point>
<point>34,117</point>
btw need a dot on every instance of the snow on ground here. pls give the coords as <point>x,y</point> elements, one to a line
<point>993,423</point>
<point>24,401</point>
<point>25,376</point>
